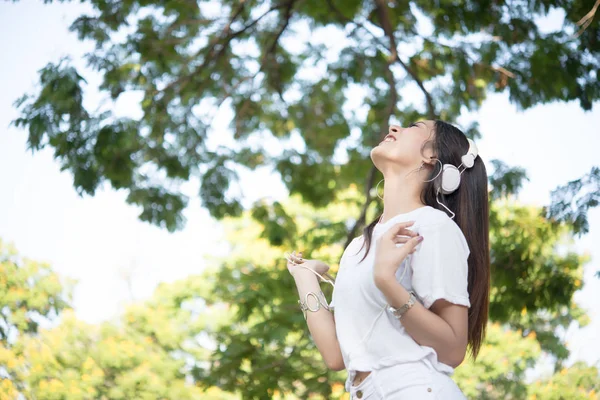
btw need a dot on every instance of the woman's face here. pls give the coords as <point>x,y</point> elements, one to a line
<point>405,148</point>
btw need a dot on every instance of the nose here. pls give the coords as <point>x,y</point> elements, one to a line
<point>394,129</point>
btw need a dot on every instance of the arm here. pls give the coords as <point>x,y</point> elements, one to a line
<point>444,328</point>
<point>320,323</point>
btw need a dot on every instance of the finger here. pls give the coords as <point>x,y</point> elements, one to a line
<point>408,232</point>
<point>397,228</point>
<point>296,259</point>
<point>401,239</point>
<point>290,260</point>
<point>411,245</point>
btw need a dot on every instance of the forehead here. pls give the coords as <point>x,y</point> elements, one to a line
<point>426,126</point>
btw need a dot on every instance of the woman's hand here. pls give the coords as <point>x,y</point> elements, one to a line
<point>296,264</point>
<point>388,257</point>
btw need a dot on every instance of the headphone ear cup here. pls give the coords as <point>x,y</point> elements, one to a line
<point>450,179</point>
<point>468,160</point>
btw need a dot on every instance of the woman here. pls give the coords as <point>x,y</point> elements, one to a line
<point>412,292</point>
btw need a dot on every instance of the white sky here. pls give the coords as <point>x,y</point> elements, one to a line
<point>99,240</point>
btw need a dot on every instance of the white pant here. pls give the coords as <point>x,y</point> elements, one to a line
<point>407,381</point>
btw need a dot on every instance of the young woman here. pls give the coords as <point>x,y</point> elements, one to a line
<point>412,292</point>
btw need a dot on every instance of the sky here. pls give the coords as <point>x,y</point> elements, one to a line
<point>116,258</point>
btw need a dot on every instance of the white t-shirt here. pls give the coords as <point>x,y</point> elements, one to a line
<point>371,337</point>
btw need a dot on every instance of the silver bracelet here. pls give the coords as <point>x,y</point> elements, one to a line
<point>320,299</point>
<point>399,312</point>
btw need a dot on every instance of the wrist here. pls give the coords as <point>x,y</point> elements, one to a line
<point>384,280</point>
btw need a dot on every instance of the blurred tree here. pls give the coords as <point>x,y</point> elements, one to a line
<point>500,368</point>
<point>579,382</point>
<point>534,274</point>
<point>76,360</point>
<point>72,360</point>
<point>31,295</point>
<point>329,74</point>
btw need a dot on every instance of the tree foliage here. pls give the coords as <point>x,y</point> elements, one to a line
<point>65,358</point>
<point>578,382</point>
<point>330,74</point>
<point>321,81</point>
<point>31,294</point>
<point>500,368</point>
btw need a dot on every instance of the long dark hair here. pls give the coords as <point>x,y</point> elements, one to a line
<point>470,204</point>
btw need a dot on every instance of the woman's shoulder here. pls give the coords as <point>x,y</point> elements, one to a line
<point>434,219</point>
<point>354,243</point>
<point>357,241</point>
<point>431,217</point>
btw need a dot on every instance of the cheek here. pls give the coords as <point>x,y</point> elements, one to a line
<point>408,150</point>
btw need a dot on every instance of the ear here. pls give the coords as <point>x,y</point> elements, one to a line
<point>427,153</point>
<point>429,160</point>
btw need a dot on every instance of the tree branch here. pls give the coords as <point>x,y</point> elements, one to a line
<point>226,37</point>
<point>587,19</point>
<point>393,50</point>
<point>460,49</point>
<point>287,16</point>
<point>372,172</point>
<point>393,99</point>
<point>386,25</point>
<point>286,22</point>
<point>363,214</point>
<point>430,107</point>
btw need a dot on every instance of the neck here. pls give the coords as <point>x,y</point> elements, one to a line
<point>400,195</point>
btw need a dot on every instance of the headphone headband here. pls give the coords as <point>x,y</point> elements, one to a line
<point>468,160</point>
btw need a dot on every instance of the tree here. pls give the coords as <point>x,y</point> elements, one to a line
<point>289,68</point>
<point>534,274</point>
<point>578,383</point>
<point>79,361</point>
<point>500,368</point>
<point>31,295</point>
<point>73,360</point>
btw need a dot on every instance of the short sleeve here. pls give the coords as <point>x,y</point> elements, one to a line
<point>332,302</point>
<point>439,265</point>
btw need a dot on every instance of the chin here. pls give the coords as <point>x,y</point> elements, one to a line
<point>375,153</point>
<point>378,156</point>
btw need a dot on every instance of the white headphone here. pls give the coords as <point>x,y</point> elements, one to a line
<point>451,175</point>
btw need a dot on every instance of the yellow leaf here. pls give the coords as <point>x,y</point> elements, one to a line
<point>480,83</point>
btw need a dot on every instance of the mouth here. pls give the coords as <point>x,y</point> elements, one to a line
<point>389,138</point>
